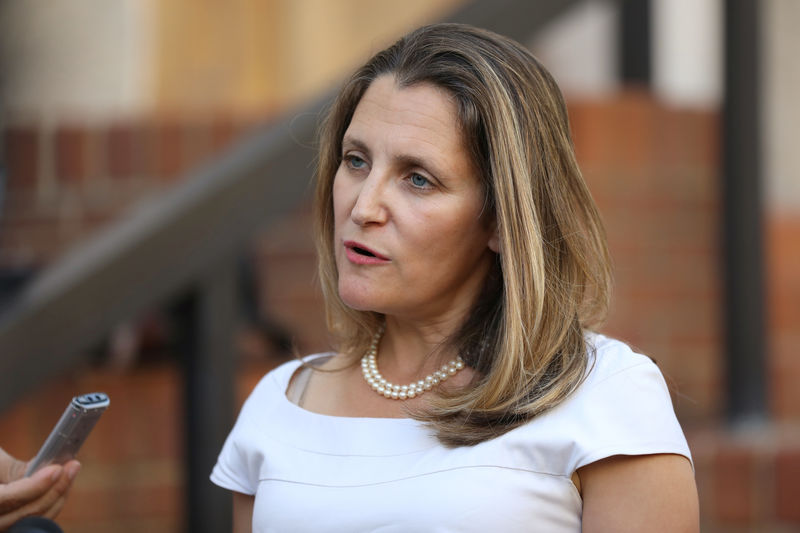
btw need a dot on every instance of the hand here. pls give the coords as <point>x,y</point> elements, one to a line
<point>42,494</point>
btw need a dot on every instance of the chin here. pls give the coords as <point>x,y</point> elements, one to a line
<point>356,297</point>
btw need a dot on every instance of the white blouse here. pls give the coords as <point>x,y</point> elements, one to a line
<point>313,472</point>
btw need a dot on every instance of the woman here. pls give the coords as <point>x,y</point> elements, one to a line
<point>462,262</point>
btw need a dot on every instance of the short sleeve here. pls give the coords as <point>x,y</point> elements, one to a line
<point>243,458</point>
<point>624,408</point>
<point>240,460</point>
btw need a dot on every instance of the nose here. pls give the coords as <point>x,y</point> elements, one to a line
<point>370,203</point>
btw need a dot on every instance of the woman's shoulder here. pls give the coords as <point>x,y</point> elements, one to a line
<point>616,374</point>
<point>608,357</point>
<point>275,382</point>
<point>623,407</point>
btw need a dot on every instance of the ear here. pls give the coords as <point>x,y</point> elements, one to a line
<point>494,240</point>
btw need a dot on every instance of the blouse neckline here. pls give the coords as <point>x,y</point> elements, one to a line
<point>346,435</point>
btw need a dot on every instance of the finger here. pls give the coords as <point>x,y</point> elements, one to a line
<point>12,517</point>
<point>7,520</point>
<point>52,502</point>
<point>61,487</point>
<point>18,499</point>
<point>23,491</point>
<point>54,509</point>
<point>67,478</point>
<point>72,468</point>
<point>48,504</point>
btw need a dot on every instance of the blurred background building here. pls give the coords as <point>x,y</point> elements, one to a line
<point>130,126</point>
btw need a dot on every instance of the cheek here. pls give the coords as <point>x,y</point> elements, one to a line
<point>339,199</point>
<point>452,239</point>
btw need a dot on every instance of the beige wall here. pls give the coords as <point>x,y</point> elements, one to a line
<point>75,59</point>
<point>102,59</point>
<point>268,54</point>
<point>580,50</point>
<point>687,52</point>
<point>781,104</point>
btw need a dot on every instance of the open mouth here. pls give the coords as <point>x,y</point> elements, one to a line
<point>362,251</point>
<point>363,255</point>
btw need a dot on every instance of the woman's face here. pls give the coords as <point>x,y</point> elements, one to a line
<point>410,239</point>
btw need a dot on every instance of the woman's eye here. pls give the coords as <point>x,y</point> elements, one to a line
<point>419,181</point>
<point>355,162</point>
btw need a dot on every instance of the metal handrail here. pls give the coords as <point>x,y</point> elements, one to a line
<point>148,257</point>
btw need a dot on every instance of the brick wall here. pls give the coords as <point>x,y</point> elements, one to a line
<point>654,172</point>
<point>783,293</point>
<point>65,181</point>
<point>63,184</point>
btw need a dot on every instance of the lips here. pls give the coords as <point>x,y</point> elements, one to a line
<point>362,255</point>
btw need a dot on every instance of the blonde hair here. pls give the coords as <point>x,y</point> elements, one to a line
<point>525,334</point>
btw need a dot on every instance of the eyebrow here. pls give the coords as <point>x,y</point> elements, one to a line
<point>355,143</point>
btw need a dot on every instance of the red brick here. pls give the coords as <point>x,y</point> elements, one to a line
<point>143,421</point>
<point>734,486</point>
<point>635,131</point>
<point>595,149</point>
<point>224,130</point>
<point>784,374</point>
<point>197,144</point>
<point>702,444</point>
<point>36,242</point>
<point>170,159</point>
<point>783,271</point>
<point>95,154</point>
<point>21,151</point>
<point>15,431</point>
<point>115,500</point>
<point>71,153</point>
<point>149,150</point>
<point>687,139</point>
<point>166,524</point>
<point>147,153</point>
<point>23,205</point>
<point>783,300</point>
<point>656,156</point>
<point>661,216</point>
<point>123,145</point>
<point>787,485</point>
<point>249,376</point>
<point>648,139</point>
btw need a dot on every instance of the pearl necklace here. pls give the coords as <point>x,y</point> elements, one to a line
<point>369,369</point>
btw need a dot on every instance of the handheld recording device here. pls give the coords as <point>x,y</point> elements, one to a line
<point>71,431</point>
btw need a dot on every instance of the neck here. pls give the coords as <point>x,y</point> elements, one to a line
<point>409,351</point>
